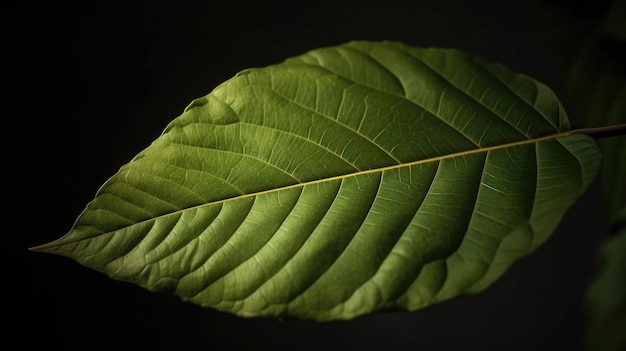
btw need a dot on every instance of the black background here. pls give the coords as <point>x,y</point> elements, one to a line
<point>88,86</point>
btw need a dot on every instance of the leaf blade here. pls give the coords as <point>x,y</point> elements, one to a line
<point>272,196</point>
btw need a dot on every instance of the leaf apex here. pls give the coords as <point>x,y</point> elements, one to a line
<point>48,247</point>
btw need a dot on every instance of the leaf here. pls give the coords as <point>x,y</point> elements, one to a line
<point>357,178</point>
<point>605,302</point>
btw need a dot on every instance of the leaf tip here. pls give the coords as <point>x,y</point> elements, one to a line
<point>45,248</point>
<point>38,248</point>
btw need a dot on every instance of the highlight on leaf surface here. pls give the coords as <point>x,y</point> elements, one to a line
<point>362,177</point>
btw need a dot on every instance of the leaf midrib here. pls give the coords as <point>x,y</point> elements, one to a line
<point>60,241</point>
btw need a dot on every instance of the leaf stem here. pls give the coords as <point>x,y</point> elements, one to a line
<point>602,132</point>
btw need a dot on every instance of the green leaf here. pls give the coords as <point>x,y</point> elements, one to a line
<point>351,179</point>
<point>605,302</point>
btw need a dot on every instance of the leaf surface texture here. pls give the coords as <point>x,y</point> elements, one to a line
<point>356,178</point>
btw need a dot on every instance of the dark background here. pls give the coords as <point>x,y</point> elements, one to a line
<point>90,85</point>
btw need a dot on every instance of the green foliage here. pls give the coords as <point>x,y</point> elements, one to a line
<point>351,179</point>
<point>605,299</point>
<point>597,81</point>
